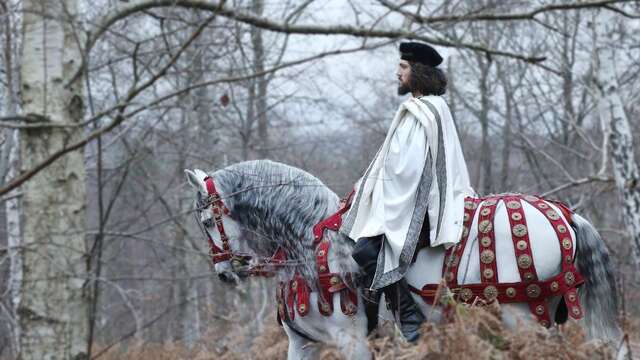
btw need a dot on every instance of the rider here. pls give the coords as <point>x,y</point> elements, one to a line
<point>413,191</point>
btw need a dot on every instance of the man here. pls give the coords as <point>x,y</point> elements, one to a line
<point>413,189</point>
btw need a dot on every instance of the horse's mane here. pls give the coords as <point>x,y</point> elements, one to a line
<point>278,205</point>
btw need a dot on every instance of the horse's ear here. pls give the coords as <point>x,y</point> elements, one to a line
<point>193,180</point>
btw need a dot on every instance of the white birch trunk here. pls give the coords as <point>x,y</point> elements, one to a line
<point>53,304</point>
<point>12,207</point>
<point>10,163</point>
<point>615,122</point>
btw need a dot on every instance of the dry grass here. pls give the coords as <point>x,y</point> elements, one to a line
<point>474,333</point>
<point>477,333</point>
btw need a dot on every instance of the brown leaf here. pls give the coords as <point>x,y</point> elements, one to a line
<point>224,100</point>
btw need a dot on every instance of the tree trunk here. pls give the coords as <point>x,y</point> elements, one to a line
<point>486,157</point>
<point>53,306</point>
<point>506,134</point>
<point>9,165</point>
<point>615,120</point>
<point>261,84</point>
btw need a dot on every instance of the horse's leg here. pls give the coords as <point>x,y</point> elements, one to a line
<point>299,347</point>
<point>353,346</point>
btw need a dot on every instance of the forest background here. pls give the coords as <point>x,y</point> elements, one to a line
<point>104,103</point>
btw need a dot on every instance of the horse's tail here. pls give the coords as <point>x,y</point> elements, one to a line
<point>599,295</point>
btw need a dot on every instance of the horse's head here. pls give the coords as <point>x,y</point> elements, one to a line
<point>221,230</point>
<point>266,210</point>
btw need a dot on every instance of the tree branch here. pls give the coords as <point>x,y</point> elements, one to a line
<point>15,182</point>
<point>529,15</point>
<point>220,9</point>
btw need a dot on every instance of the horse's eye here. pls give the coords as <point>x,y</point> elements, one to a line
<point>208,222</point>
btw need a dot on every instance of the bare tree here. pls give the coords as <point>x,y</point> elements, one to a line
<point>198,83</point>
<point>52,306</point>
<point>616,125</point>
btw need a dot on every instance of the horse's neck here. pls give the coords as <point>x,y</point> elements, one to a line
<point>340,260</point>
<point>301,258</point>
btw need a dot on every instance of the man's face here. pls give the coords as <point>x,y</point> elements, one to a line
<point>404,75</point>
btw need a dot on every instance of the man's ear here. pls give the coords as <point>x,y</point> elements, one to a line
<point>193,180</point>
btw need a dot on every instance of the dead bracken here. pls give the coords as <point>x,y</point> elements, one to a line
<point>473,333</point>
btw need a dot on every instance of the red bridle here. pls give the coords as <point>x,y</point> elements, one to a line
<point>218,208</point>
<point>219,255</point>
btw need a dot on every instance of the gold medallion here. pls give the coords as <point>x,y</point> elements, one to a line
<point>490,292</point>
<point>575,310</point>
<point>519,230</point>
<point>528,276</point>
<point>466,294</point>
<point>488,273</point>
<point>569,278</point>
<point>524,261</point>
<point>485,241</point>
<point>533,291</point>
<point>521,245</point>
<point>325,307</point>
<point>513,204</point>
<point>485,226</point>
<point>487,256</point>
<point>470,205</point>
<point>490,202</point>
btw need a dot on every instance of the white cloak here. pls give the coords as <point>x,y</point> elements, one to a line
<point>419,171</point>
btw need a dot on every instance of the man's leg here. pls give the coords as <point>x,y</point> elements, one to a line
<point>410,316</point>
<point>365,253</point>
<point>398,295</point>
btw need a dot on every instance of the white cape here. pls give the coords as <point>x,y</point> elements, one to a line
<point>419,171</point>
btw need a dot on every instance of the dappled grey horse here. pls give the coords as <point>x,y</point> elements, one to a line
<point>260,216</point>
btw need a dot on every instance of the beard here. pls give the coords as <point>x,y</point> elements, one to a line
<point>403,89</point>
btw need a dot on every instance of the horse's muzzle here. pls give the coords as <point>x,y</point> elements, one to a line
<point>227,278</point>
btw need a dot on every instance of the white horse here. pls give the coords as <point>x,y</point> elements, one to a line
<point>271,208</point>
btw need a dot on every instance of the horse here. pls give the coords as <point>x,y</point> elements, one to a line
<point>262,217</point>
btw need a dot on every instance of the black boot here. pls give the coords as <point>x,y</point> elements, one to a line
<point>405,309</point>
<point>365,253</point>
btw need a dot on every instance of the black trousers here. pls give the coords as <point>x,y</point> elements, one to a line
<point>365,253</point>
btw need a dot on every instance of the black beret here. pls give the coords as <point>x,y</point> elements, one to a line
<point>419,52</point>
